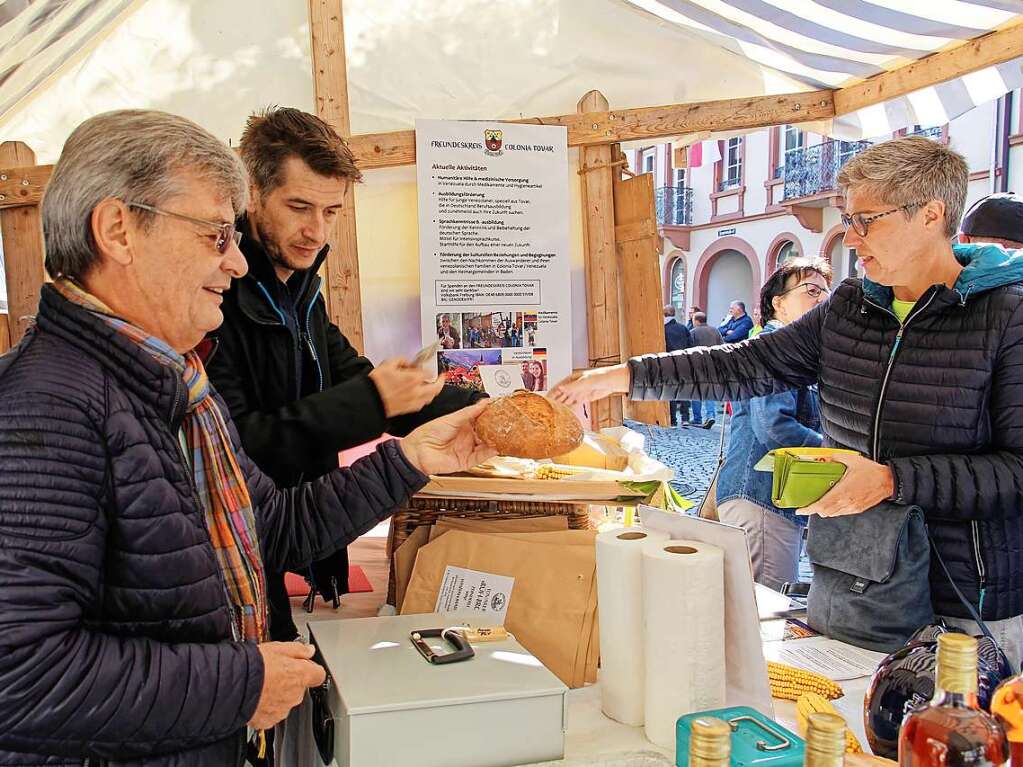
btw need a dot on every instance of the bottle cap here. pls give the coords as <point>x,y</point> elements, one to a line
<point>957,663</point>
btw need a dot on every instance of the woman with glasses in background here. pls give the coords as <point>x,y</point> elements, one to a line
<point>919,368</point>
<point>759,425</point>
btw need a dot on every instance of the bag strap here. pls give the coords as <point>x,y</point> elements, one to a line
<point>725,415</point>
<point>962,597</point>
<point>712,487</point>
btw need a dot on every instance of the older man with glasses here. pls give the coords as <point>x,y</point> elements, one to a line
<point>920,371</point>
<point>134,531</point>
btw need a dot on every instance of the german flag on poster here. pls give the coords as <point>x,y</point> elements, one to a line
<point>540,354</point>
<point>529,317</point>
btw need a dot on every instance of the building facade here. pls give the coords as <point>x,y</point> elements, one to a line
<point>745,204</point>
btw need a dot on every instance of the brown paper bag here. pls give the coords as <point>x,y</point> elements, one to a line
<point>550,600</point>
<point>405,558</point>
<point>593,662</point>
<point>554,537</point>
<point>527,525</point>
<point>587,657</point>
<point>585,636</point>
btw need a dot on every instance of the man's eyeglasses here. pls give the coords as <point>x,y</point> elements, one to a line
<point>860,223</point>
<point>227,231</point>
<point>812,289</point>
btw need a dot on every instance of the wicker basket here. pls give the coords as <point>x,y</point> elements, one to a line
<point>422,510</point>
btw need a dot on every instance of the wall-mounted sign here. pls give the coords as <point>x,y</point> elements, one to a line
<point>726,232</point>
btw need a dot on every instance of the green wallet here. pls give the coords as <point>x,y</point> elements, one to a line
<point>801,474</point>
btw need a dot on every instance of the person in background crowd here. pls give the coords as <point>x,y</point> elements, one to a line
<point>997,218</point>
<point>738,325</point>
<point>919,368</point>
<point>134,529</point>
<point>297,389</point>
<point>692,312</point>
<point>703,335</point>
<point>758,326</point>
<point>676,338</point>
<point>472,334</point>
<point>761,424</point>
<point>489,338</point>
<point>448,335</point>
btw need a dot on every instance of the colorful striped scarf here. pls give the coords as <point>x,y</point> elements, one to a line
<point>218,479</point>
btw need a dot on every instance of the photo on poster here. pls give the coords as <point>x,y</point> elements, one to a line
<point>529,328</point>
<point>491,330</point>
<point>461,367</point>
<point>449,330</point>
<point>534,374</point>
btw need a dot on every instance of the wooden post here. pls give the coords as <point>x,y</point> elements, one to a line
<point>330,80</point>
<point>22,233</point>
<point>602,312</point>
<point>636,243</point>
<point>5,337</point>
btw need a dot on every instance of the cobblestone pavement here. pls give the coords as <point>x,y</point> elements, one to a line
<point>691,451</point>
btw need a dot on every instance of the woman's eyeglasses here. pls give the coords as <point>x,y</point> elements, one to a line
<point>812,289</point>
<point>227,231</point>
<point>860,222</point>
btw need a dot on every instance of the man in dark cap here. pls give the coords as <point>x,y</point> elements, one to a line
<point>997,218</point>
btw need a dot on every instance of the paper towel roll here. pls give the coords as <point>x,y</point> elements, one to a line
<point>620,602</point>
<point>684,639</point>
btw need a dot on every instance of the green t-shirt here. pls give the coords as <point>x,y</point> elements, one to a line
<point>902,308</point>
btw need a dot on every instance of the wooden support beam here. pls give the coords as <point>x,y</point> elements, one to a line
<point>5,336</point>
<point>596,126</point>
<point>22,233</point>
<point>973,55</point>
<point>330,82</point>
<point>602,313</point>
<point>23,185</point>
<point>636,243</point>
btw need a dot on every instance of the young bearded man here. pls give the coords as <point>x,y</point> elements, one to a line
<point>298,390</point>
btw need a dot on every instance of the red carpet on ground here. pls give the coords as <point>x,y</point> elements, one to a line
<point>358,583</point>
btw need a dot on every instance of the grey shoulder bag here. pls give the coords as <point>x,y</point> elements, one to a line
<point>871,585</point>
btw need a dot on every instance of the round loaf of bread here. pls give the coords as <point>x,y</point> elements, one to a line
<point>526,425</point>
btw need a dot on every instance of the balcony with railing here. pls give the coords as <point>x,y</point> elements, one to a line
<point>935,133</point>
<point>674,205</point>
<point>813,170</point>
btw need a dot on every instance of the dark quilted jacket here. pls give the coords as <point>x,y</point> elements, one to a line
<point>940,401</point>
<point>114,629</point>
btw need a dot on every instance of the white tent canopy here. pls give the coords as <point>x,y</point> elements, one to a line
<point>61,60</point>
<point>833,43</point>
<point>216,62</point>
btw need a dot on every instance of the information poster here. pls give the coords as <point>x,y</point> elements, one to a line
<point>494,250</point>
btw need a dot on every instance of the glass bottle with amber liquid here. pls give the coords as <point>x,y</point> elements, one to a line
<point>953,731</point>
<point>1007,706</point>
<point>710,743</point>
<point>825,741</point>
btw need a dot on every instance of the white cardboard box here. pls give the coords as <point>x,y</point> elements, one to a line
<point>391,707</point>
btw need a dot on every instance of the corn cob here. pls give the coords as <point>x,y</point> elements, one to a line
<point>811,703</point>
<point>789,683</point>
<point>553,471</point>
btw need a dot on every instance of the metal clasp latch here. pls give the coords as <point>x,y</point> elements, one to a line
<point>761,744</point>
<point>462,649</point>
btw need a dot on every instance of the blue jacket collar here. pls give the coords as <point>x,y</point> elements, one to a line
<point>985,267</point>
